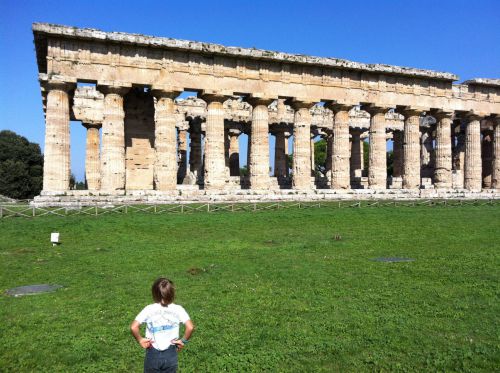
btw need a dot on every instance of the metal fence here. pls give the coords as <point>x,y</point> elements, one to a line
<point>27,211</point>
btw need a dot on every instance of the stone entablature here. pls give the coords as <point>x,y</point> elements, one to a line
<point>445,135</point>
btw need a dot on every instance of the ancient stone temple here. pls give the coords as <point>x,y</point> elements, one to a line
<point>144,143</point>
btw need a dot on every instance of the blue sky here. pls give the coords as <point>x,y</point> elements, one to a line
<point>458,36</point>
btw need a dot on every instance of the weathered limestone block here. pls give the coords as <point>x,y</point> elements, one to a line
<point>302,145</point>
<point>56,170</point>
<point>495,175</point>
<point>113,139</point>
<point>411,150</point>
<point>165,166</point>
<point>215,162</point>
<point>340,174</point>
<point>443,168</point>
<point>234,152</point>
<point>397,154</point>
<point>92,157</point>
<point>259,154</point>
<point>473,166</point>
<point>377,168</point>
<point>487,156</point>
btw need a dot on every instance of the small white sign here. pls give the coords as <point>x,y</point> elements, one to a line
<point>54,238</point>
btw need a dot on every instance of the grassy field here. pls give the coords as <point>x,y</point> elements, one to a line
<point>268,291</point>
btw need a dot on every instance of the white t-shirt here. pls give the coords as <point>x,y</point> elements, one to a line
<point>162,323</point>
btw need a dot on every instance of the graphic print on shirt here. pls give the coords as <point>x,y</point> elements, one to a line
<point>161,323</point>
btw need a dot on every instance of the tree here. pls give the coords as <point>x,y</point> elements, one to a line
<point>21,166</point>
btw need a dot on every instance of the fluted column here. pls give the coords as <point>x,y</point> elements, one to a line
<point>234,152</point>
<point>165,166</point>
<point>280,155</point>
<point>92,157</point>
<point>411,150</point>
<point>182,155</point>
<point>340,174</point>
<point>443,167</point>
<point>397,153</point>
<point>302,145</point>
<point>56,169</point>
<point>377,167</point>
<point>473,166</point>
<point>313,163</point>
<point>487,158</point>
<point>495,174</point>
<point>259,147</point>
<point>215,161</point>
<point>195,154</point>
<point>113,139</point>
<point>426,154</point>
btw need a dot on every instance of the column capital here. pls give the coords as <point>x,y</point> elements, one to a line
<point>373,109</point>
<point>338,106</point>
<point>215,96</point>
<point>88,125</point>
<point>108,87</point>
<point>159,93</point>
<point>257,99</point>
<point>300,103</point>
<point>440,114</point>
<point>411,111</point>
<point>57,82</point>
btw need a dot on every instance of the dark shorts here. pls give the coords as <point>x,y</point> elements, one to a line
<point>160,361</point>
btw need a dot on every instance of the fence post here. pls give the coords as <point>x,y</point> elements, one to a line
<point>232,207</point>
<point>254,206</point>
<point>182,208</point>
<point>1,212</point>
<point>208,207</point>
<point>34,211</point>
<point>96,209</point>
<point>299,204</point>
<point>126,209</point>
<point>155,208</point>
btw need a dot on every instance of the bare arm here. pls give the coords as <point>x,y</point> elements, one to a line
<point>189,329</point>
<point>134,328</point>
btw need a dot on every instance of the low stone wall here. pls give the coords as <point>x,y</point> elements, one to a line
<point>193,195</point>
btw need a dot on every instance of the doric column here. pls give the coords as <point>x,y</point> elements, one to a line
<point>280,155</point>
<point>259,147</point>
<point>411,150</point>
<point>397,153</point>
<point>340,174</point>
<point>377,167</point>
<point>473,166</point>
<point>215,161</point>
<point>487,158</point>
<point>182,155</point>
<point>165,166</point>
<point>56,168</point>
<point>426,153</point>
<point>302,145</point>
<point>313,163</point>
<point>356,163</point>
<point>329,152</point>
<point>195,154</point>
<point>92,157</point>
<point>495,174</point>
<point>113,139</point>
<point>443,167</point>
<point>234,152</point>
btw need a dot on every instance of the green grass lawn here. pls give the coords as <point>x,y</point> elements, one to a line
<point>268,291</point>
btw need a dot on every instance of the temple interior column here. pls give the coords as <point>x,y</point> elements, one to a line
<point>113,139</point>
<point>340,174</point>
<point>182,155</point>
<point>377,167</point>
<point>356,166</point>
<point>473,166</point>
<point>57,164</point>
<point>313,164</point>
<point>195,154</point>
<point>92,157</point>
<point>397,153</point>
<point>259,149</point>
<point>280,154</point>
<point>411,150</point>
<point>234,152</point>
<point>443,167</point>
<point>487,158</point>
<point>215,160</point>
<point>426,154</point>
<point>495,175</point>
<point>302,145</point>
<point>329,152</point>
<point>165,165</point>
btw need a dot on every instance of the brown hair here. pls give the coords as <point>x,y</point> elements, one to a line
<point>163,291</point>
